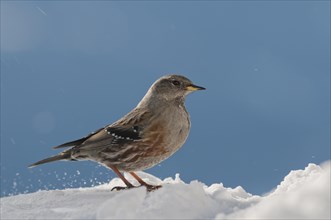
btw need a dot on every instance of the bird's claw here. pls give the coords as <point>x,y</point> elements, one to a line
<point>149,188</point>
<point>118,188</point>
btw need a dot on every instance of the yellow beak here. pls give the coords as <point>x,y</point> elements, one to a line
<point>194,88</point>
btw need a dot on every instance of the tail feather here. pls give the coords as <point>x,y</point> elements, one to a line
<point>61,156</point>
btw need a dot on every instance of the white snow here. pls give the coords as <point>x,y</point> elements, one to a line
<point>303,194</point>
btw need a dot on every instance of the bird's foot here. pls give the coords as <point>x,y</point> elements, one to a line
<point>118,188</point>
<point>151,188</point>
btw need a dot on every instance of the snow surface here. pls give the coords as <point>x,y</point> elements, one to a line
<point>302,194</point>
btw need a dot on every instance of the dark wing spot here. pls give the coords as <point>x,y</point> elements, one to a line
<point>124,135</point>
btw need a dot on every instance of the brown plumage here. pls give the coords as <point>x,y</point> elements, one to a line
<point>147,135</point>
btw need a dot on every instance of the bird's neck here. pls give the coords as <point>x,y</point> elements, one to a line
<point>146,100</point>
<point>151,100</point>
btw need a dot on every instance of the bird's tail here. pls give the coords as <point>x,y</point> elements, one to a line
<point>62,156</point>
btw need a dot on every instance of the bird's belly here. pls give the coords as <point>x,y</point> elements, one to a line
<point>150,156</point>
<point>159,144</point>
<point>143,163</point>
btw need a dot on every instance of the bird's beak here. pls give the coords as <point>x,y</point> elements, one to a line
<point>193,87</point>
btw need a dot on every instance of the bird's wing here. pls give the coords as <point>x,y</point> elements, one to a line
<point>122,135</point>
<point>113,135</point>
<point>124,131</point>
<point>109,138</point>
<point>77,142</point>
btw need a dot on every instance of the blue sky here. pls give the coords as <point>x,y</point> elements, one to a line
<point>68,68</point>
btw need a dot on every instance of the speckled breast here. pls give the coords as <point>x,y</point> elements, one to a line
<point>161,139</point>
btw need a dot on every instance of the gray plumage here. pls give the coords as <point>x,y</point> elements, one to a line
<point>147,135</point>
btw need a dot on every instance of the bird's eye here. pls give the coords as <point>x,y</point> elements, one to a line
<point>176,83</point>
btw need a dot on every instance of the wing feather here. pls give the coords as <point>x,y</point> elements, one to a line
<point>77,142</point>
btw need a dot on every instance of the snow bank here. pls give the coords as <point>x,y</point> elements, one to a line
<point>302,194</point>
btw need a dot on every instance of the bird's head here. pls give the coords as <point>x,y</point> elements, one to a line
<point>173,87</point>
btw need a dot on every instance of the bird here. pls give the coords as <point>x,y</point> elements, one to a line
<point>150,133</point>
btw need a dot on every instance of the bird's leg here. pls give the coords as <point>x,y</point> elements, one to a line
<point>119,174</point>
<point>143,183</point>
